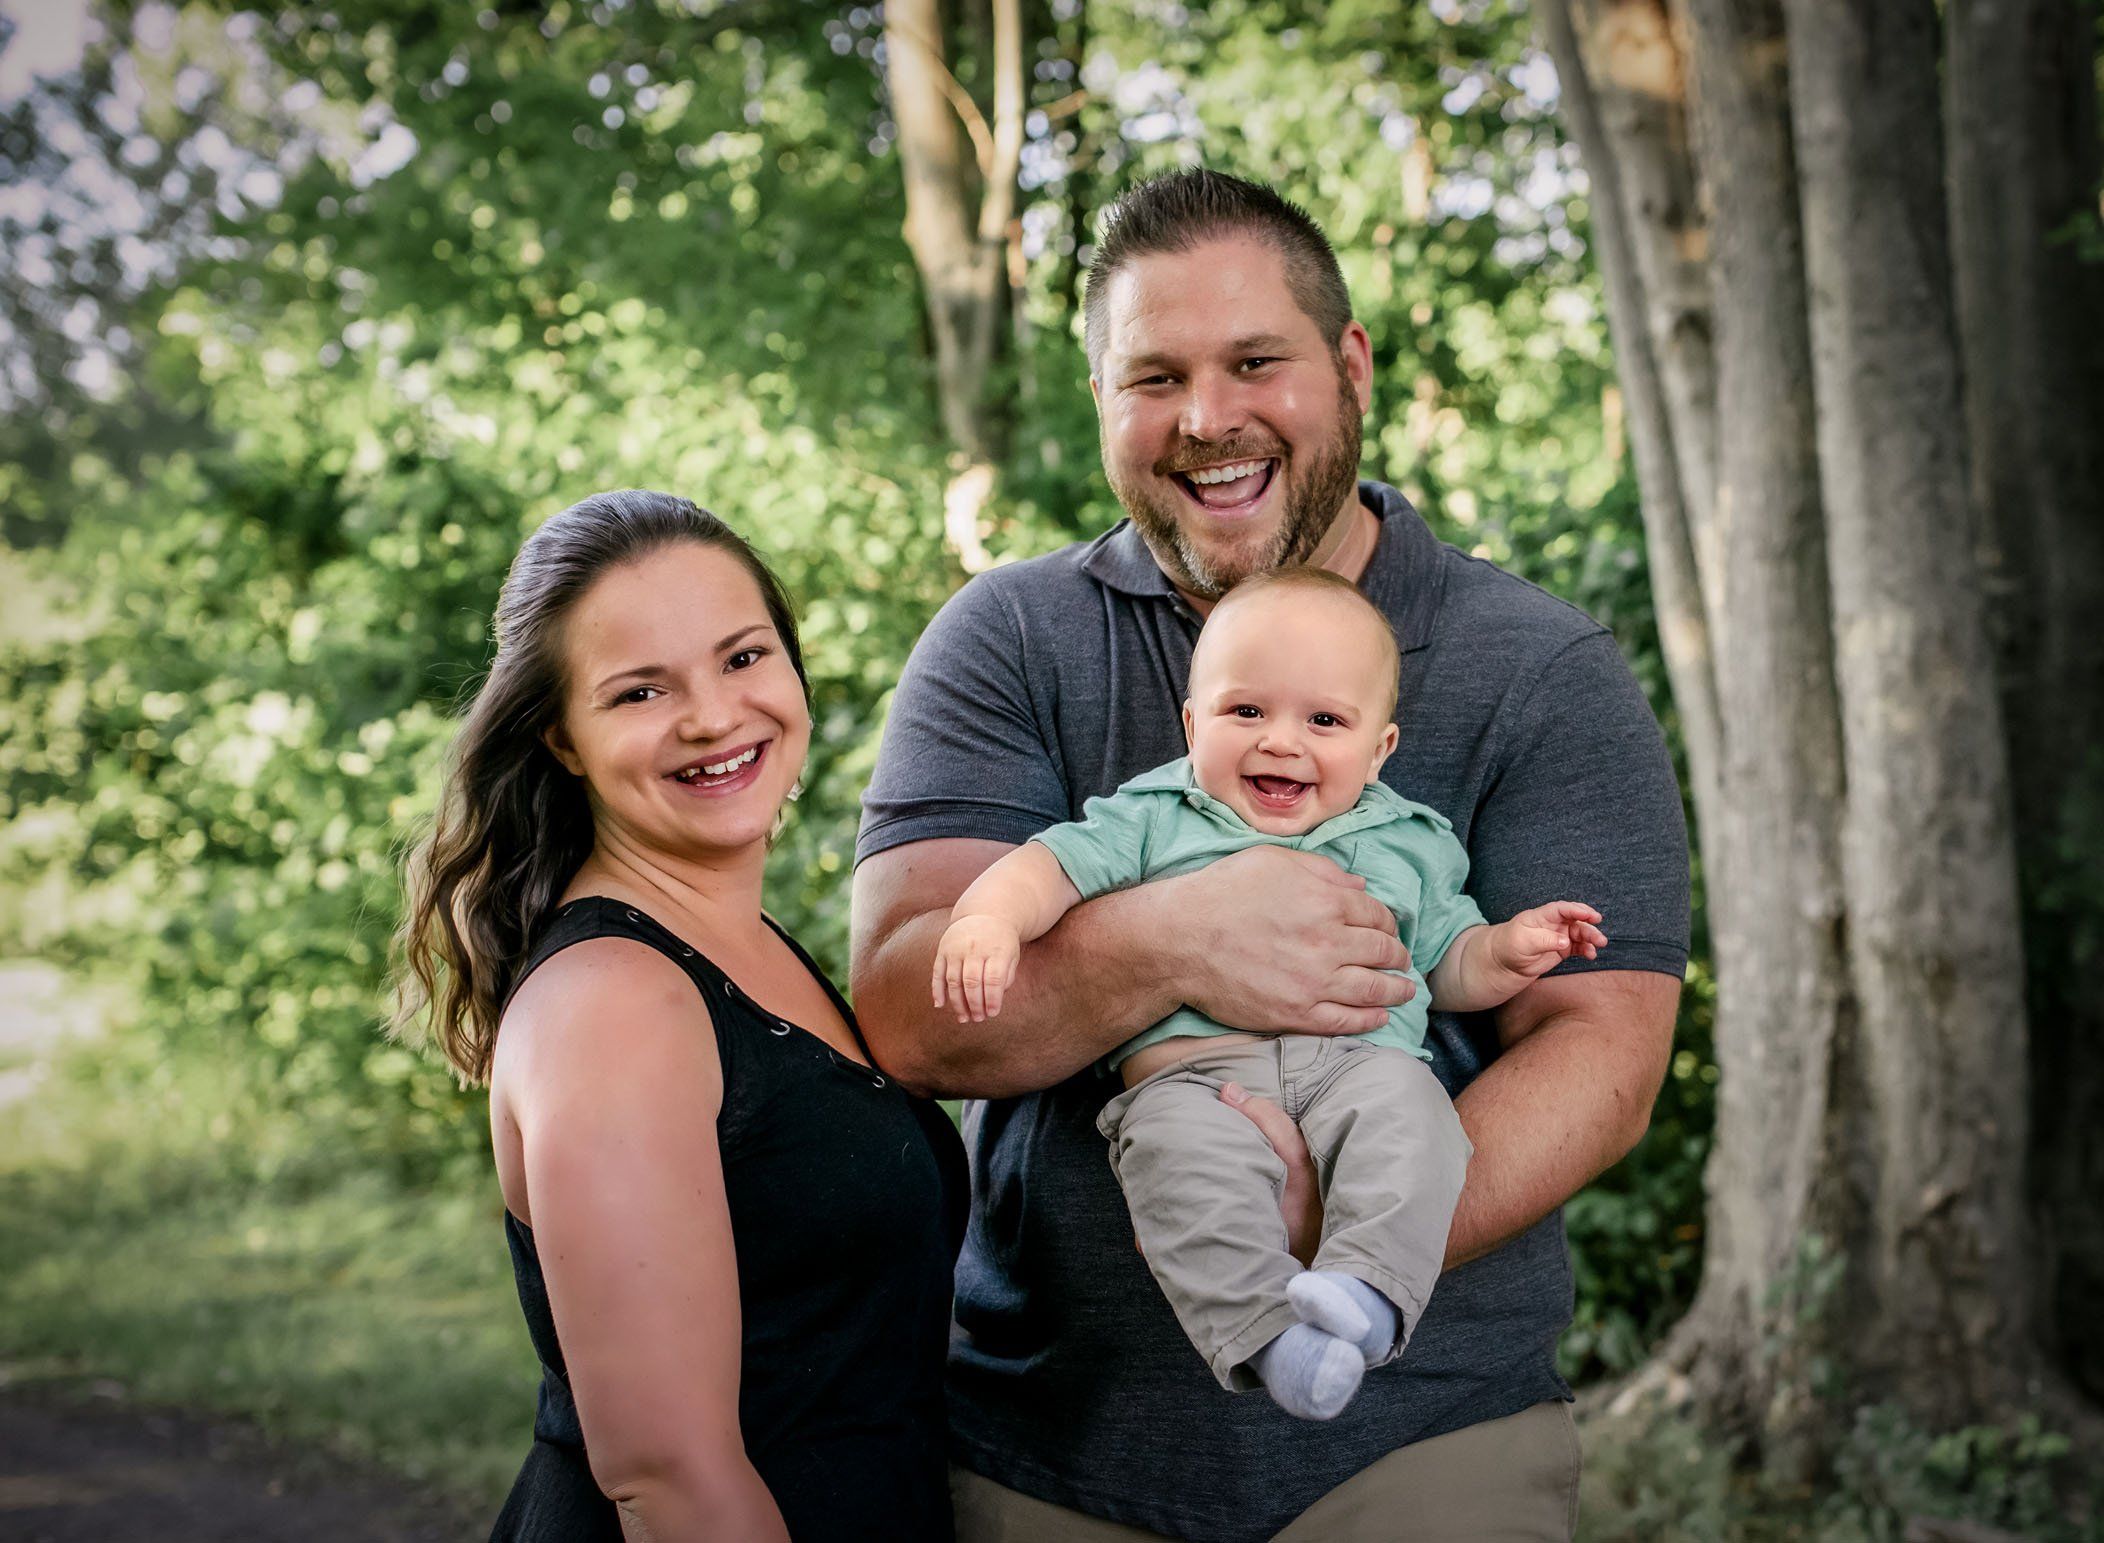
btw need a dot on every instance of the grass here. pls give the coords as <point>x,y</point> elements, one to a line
<point>324,1304</point>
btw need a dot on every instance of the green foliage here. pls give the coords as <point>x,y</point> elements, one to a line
<point>1651,1475</point>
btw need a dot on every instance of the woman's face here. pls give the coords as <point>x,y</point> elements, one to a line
<point>682,712</point>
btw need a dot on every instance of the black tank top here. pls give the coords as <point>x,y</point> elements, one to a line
<point>847,1206</point>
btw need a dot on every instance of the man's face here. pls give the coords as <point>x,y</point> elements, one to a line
<point>1229,424</point>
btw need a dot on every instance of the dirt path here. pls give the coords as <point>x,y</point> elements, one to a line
<point>79,1465</point>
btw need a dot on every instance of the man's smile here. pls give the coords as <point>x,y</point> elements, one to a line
<point>1232,487</point>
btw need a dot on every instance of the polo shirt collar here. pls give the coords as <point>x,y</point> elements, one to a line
<point>1404,577</point>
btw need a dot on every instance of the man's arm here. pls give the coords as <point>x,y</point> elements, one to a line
<point>1266,939</point>
<point>1584,1056</point>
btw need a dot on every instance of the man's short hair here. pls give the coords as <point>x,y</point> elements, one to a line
<point>1305,579</point>
<point>1176,212</point>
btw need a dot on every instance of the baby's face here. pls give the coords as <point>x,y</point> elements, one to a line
<point>1286,713</point>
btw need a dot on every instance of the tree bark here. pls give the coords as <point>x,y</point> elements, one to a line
<point>957,212</point>
<point>1655,428</point>
<point>1785,1010</point>
<point>1936,1301</point>
<point>2024,169</point>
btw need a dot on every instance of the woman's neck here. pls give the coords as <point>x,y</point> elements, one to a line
<point>715,899</point>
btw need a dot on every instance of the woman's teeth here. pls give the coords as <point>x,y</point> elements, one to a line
<point>716,768</point>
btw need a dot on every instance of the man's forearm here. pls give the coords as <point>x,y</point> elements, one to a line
<point>1558,1108</point>
<point>1085,987</point>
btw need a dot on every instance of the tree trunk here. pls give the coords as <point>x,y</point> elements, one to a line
<point>1866,1184</point>
<point>1785,1011</point>
<point>2024,168</point>
<point>1935,1308</point>
<point>1606,142</point>
<point>957,214</point>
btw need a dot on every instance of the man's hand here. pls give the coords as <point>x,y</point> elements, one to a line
<point>1278,941</point>
<point>1536,941</point>
<point>975,964</point>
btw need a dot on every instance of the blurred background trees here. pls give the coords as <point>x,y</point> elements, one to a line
<point>313,312</point>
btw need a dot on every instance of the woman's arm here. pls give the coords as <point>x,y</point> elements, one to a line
<point>609,1065</point>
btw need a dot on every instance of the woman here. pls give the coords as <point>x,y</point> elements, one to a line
<point>733,1235</point>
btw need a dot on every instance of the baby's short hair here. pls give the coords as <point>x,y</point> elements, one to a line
<point>1310,580</point>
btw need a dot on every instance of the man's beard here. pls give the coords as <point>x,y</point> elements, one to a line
<point>1314,500</point>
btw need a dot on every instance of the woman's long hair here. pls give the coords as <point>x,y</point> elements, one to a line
<point>512,824</point>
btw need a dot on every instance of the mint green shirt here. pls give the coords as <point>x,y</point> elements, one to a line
<point>1162,824</point>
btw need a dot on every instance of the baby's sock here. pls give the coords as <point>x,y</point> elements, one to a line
<point>1309,1373</point>
<point>1347,1307</point>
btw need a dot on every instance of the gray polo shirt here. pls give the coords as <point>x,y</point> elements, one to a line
<point>1050,682</point>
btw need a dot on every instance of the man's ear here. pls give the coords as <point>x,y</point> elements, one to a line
<point>1355,349</point>
<point>1383,750</point>
<point>1188,721</point>
<point>1096,391</point>
<point>557,739</point>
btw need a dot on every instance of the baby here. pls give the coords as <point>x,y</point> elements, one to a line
<point>1292,692</point>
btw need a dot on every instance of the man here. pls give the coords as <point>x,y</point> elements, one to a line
<point>1230,381</point>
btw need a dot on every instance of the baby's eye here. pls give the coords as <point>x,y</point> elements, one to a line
<point>1248,710</point>
<point>1325,720</point>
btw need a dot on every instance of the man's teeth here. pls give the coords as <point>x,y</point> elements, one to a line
<point>1211,476</point>
<point>717,768</point>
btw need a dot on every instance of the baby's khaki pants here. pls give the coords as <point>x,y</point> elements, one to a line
<point>1203,1184</point>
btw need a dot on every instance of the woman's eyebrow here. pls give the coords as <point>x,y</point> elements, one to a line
<point>742,632</point>
<point>638,671</point>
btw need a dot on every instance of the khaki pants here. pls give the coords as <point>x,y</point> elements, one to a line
<point>1513,1480</point>
<point>1203,1184</point>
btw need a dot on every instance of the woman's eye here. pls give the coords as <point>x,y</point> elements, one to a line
<point>745,658</point>
<point>637,694</point>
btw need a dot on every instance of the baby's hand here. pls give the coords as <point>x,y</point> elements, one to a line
<point>974,964</point>
<point>1535,942</point>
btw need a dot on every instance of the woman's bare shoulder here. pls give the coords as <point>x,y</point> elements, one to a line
<point>605,1006</point>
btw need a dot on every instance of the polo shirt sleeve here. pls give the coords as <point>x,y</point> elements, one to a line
<point>1585,806</point>
<point>1106,848</point>
<point>962,753</point>
<point>1445,910</point>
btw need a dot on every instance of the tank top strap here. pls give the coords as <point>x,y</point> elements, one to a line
<point>597,916</point>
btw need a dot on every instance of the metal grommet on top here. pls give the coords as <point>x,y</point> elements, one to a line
<point>778,1030</point>
<point>877,1080</point>
<point>633,915</point>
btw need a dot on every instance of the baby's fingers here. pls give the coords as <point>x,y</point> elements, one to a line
<point>975,988</point>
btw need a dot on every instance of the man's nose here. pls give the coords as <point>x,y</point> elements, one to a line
<point>1211,408</point>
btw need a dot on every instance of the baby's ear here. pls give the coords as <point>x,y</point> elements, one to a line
<point>1382,750</point>
<point>1188,721</point>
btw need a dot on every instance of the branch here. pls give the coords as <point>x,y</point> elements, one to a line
<point>953,91</point>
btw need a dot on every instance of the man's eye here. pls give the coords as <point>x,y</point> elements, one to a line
<point>1258,362</point>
